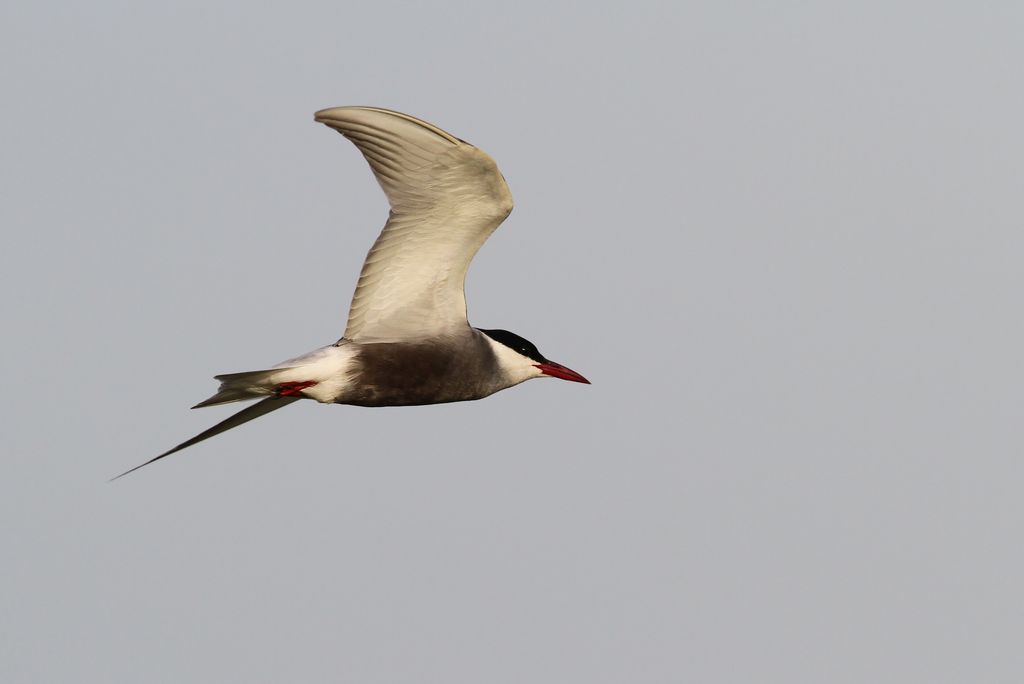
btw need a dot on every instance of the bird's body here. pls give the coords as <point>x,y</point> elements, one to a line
<point>457,368</point>
<point>408,341</point>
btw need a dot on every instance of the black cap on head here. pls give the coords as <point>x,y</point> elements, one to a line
<point>515,343</point>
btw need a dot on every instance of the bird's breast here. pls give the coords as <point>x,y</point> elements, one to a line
<point>425,372</point>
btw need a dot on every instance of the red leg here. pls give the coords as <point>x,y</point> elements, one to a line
<point>288,389</point>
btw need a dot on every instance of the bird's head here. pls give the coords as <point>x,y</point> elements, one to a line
<point>521,360</point>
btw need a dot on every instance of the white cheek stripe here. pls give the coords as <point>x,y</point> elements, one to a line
<point>515,367</point>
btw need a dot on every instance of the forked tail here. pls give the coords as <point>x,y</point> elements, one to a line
<point>247,385</point>
<point>316,375</point>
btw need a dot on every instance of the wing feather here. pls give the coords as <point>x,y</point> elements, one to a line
<point>446,198</point>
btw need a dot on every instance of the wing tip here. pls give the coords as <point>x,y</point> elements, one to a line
<point>256,410</point>
<point>338,116</point>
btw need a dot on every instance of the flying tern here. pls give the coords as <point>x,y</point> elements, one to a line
<point>407,341</point>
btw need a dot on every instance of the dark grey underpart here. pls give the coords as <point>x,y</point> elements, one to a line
<point>424,372</point>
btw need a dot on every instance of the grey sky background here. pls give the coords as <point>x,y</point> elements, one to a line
<point>783,242</point>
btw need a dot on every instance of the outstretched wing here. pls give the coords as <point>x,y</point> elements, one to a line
<point>446,197</point>
<point>260,408</point>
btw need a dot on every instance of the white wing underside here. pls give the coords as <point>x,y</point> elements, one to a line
<point>446,197</point>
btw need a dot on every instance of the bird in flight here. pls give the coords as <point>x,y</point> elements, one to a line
<point>407,341</point>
